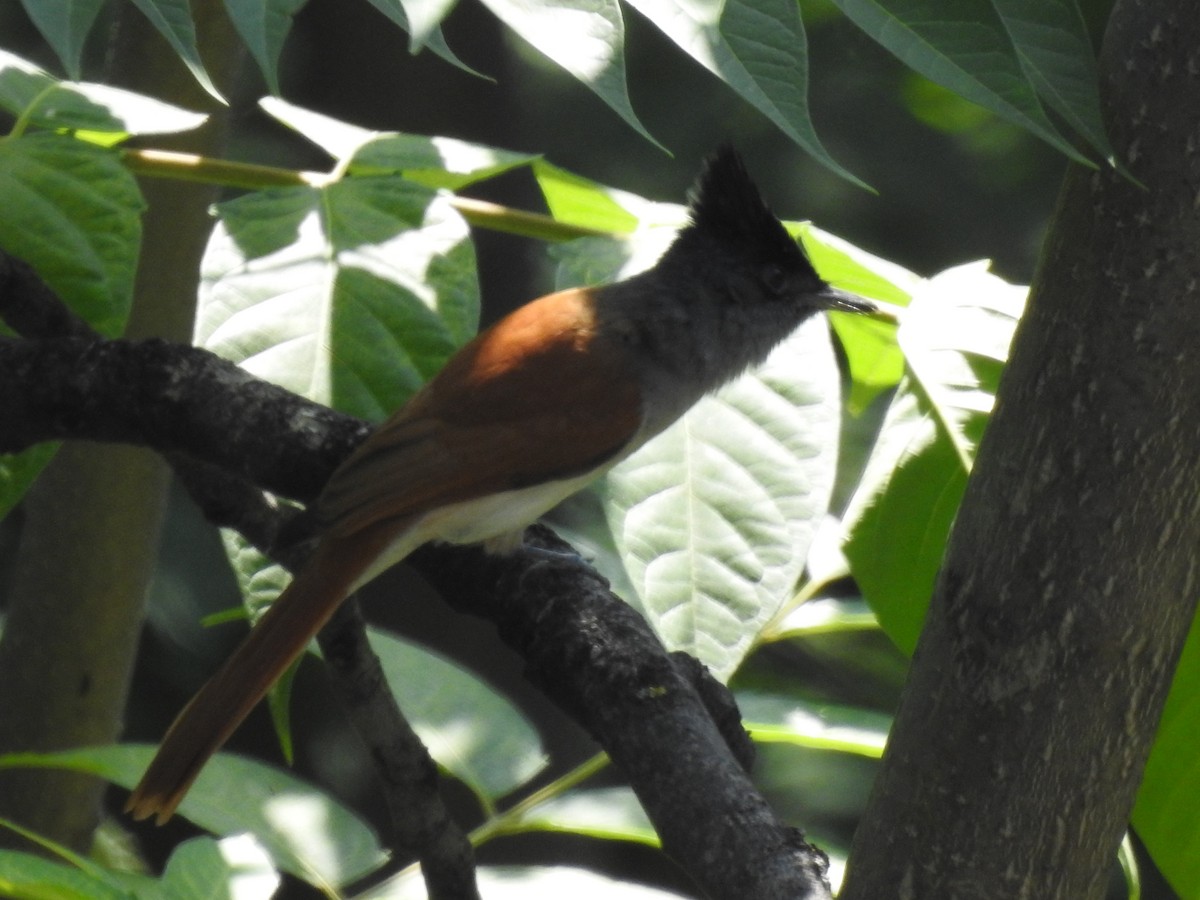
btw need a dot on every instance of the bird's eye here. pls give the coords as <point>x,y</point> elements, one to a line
<point>775,279</point>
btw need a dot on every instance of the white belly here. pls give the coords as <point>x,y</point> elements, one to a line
<point>498,519</point>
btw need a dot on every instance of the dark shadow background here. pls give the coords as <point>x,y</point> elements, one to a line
<point>953,185</point>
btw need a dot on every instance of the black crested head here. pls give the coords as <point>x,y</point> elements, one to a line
<point>731,287</point>
<point>726,206</point>
<point>734,239</point>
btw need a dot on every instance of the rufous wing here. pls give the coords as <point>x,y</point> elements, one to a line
<point>536,398</point>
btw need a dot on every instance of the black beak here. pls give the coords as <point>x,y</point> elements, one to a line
<point>834,298</point>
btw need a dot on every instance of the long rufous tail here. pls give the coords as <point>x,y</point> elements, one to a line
<point>228,697</point>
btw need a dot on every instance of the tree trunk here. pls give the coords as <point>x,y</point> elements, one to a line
<point>89,545</point>
<point>1070,579</point>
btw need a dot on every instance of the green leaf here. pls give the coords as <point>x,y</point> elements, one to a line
<point>305,832</point>
<point>436,162</point>
<point>1165,813</point>
<point>714,517</point>
<point>65,26</point>
<point>38,99</point>
<point>337,138</point>
<point>352,294</point>
<point>580,201</point>
<point>962,45</point>
<point>612,814</point>
<point>872,353</point>
<point>585,37</point>
<point>173,19</point>
<point>775,719</point>
<point>235,867</point>
<point>824,615</point>
<point>264,25</point>
<point>73,212</point>
<point>601,260</point>
<point>525,882</point>
<point>260,582</point>
<point>1055,51</point>
<point>955,337</point>
<point>17,472</point>
<point>473,732</point>
<point>758,48</point>
<point>24,876</point>
<point>419,18</point>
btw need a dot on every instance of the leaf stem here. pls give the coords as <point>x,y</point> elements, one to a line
<point>509,820</point>
<point>191,167</point>
<point>251,176</point>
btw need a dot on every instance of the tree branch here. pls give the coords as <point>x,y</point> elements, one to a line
<point>598,659</point>
<point>230,435</point>
<point>425,829</point>
<point>173,399</point>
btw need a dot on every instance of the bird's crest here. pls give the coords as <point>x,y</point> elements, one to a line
<point>725,205</point>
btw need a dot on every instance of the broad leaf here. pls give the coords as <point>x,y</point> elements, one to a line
<point>307,833</point>
<point>173,19</point>
<point>1056,52</point>
<point>420,18</point>
<point>472,731</point>
<point>17,472</point>
<point>758,48</point>
<point>874,358</point>
<point>436,162</point>
<point>65,26</point>
<point>776,719</point>
<point>234,868</point>
<point>1165,813</point>
<point>263,26</point>
<point>955,338</point>
<point>585,37</point>
<point>579,201</point>
<point>25,875</point>
<point>38,99</point>
<point>713,518</point>
<point>73,212</point>
<point>613,814</point>
<point>337,138</point>
<point>963,45</point>
<point>352,294</point>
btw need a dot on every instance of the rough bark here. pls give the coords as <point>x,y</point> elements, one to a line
<point>1070,579</point>
<point>683,754</point>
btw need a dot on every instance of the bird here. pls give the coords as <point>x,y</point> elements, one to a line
<point>522,416</point>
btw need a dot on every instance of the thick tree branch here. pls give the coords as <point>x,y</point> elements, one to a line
<point>408,773</point>
<point>174,399</point>
<point>31,309</point>
<point>1070,579</point>
<point>599,661</point>
<point>231,435</point>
